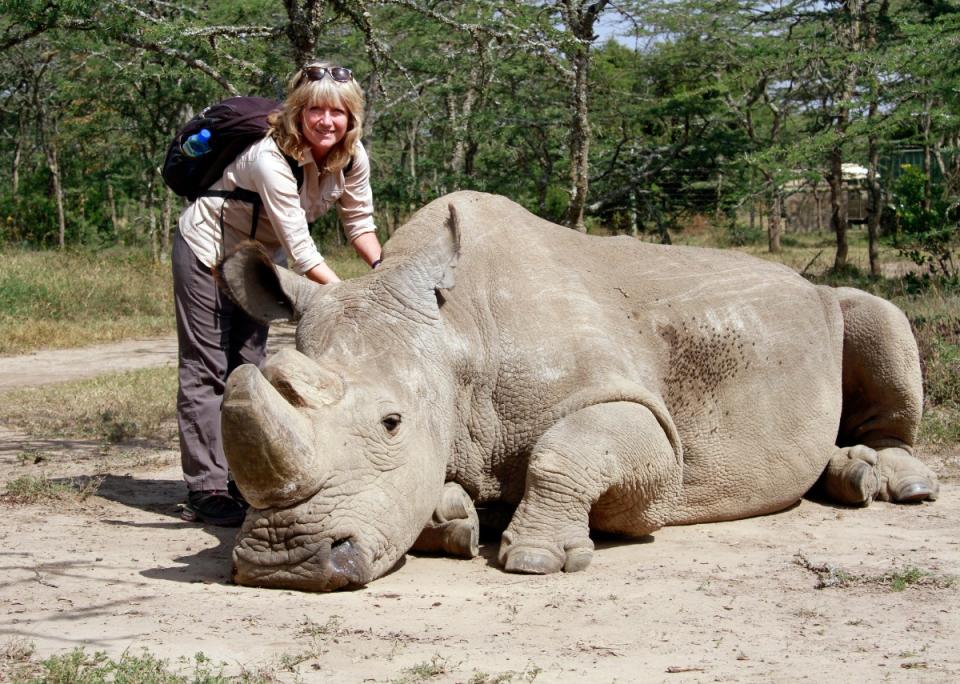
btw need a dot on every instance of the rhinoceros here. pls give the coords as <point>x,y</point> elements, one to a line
<point>584,382</point>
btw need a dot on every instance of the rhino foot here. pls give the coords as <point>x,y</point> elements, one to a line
<point>906,479</point>
<point>539,558</point>
<point>454,528</point>
<point>860,474</point>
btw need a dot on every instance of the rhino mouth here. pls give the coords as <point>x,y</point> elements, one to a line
<point>275,549</point>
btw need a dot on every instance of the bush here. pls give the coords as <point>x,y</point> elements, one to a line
<point>740,235</point>
<point>927,236</point>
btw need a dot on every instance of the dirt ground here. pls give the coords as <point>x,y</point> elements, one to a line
<point>806,594</point>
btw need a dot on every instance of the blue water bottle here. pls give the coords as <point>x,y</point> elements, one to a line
<point>197,144</point>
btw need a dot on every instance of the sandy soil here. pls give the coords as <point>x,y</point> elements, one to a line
<point>724,602</point>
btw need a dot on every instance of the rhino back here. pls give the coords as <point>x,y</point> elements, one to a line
<point>739,357</point>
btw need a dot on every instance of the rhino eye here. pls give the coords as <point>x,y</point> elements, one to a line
<point>391,422</point>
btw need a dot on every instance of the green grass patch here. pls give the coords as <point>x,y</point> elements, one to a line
<point>131,406</point>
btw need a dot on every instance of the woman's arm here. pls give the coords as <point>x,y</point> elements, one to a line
<point>368,247</point>
<point>323,274</point>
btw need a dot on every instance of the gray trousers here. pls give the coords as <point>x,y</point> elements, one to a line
<point>215,336</point>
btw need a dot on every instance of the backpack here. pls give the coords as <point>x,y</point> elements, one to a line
<point>234,124</point>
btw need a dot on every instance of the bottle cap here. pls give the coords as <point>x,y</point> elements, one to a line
<point>204,134</point>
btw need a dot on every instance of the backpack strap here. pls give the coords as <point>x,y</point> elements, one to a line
<point>243,195</point>
<point>251,197</point>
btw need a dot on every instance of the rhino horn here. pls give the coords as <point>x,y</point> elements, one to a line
<point>268,441</point>
<point>302,381</point>
<point>261,288</point>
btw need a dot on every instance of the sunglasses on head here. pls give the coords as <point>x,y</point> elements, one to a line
<point>316,73</point>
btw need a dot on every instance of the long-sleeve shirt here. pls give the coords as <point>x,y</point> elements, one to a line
<point>283,225</point>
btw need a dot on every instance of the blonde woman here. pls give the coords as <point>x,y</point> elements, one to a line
<point>318,127</point>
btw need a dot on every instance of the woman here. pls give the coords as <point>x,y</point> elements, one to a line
<point>319,126</point>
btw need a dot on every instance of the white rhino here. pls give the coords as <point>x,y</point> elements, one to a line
<point>591,382</point>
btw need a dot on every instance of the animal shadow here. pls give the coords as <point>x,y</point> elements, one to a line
<point>209,564</point>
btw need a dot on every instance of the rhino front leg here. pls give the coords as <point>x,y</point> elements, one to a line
<point>613,458</point>
<point>454,528</point>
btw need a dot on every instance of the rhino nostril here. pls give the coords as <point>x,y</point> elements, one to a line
<point>288,392</point>
<point>339,542</point>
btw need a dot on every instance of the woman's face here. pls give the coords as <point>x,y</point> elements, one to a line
<point>323,127</point>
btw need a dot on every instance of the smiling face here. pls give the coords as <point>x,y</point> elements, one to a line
<point>324,125</point>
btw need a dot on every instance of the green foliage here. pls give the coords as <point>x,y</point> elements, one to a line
<point>926,234</point>
<point>704,107</point>
<point>740,235</point>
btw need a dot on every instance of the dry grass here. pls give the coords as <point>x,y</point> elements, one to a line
<point>54,300</point>
<point>132,406</point>
<point>31,489</point>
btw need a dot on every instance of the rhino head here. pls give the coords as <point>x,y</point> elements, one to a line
<point>340,445</point>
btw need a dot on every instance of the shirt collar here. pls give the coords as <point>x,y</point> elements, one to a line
<point>307,157</point>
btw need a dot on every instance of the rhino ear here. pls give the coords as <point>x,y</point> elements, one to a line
<point>418,279</point>
<point>446,255</point>
<point>261,288</point>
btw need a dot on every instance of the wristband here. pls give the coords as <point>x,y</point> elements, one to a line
<point>376,263</point>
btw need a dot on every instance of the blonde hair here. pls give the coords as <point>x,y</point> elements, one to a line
<point>285,126</point>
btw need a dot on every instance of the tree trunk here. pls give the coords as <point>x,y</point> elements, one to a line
<point>818,201</point>
<point>838,209</point>
<point>854,39</point>
<point>775,226</point>
<point>875,193</point>
<point>54,165</point>
<point>304,17</point>
<point>412,151</point>
<point>112,205</point>
<point>875,207</point>
<point>15,171</point>
<point>580,17</point>
<point>927,124</point>
<point>154,238</point>
<point>166,222</point>
<point>464,146</point>
<point>579,143</point>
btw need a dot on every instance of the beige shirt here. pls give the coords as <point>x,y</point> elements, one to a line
<point>283,224</point>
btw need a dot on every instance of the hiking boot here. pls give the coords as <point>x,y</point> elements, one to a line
<point>215,507</point>
<point>236,494</point>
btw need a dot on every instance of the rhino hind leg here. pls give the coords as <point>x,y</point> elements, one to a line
<point>882,405</point>
<point>454,527</point>
<point>607,464</point>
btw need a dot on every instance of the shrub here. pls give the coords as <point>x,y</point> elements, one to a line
<point>927,236</point>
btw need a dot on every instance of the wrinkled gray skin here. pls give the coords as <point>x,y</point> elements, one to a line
<point>591,382</point>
